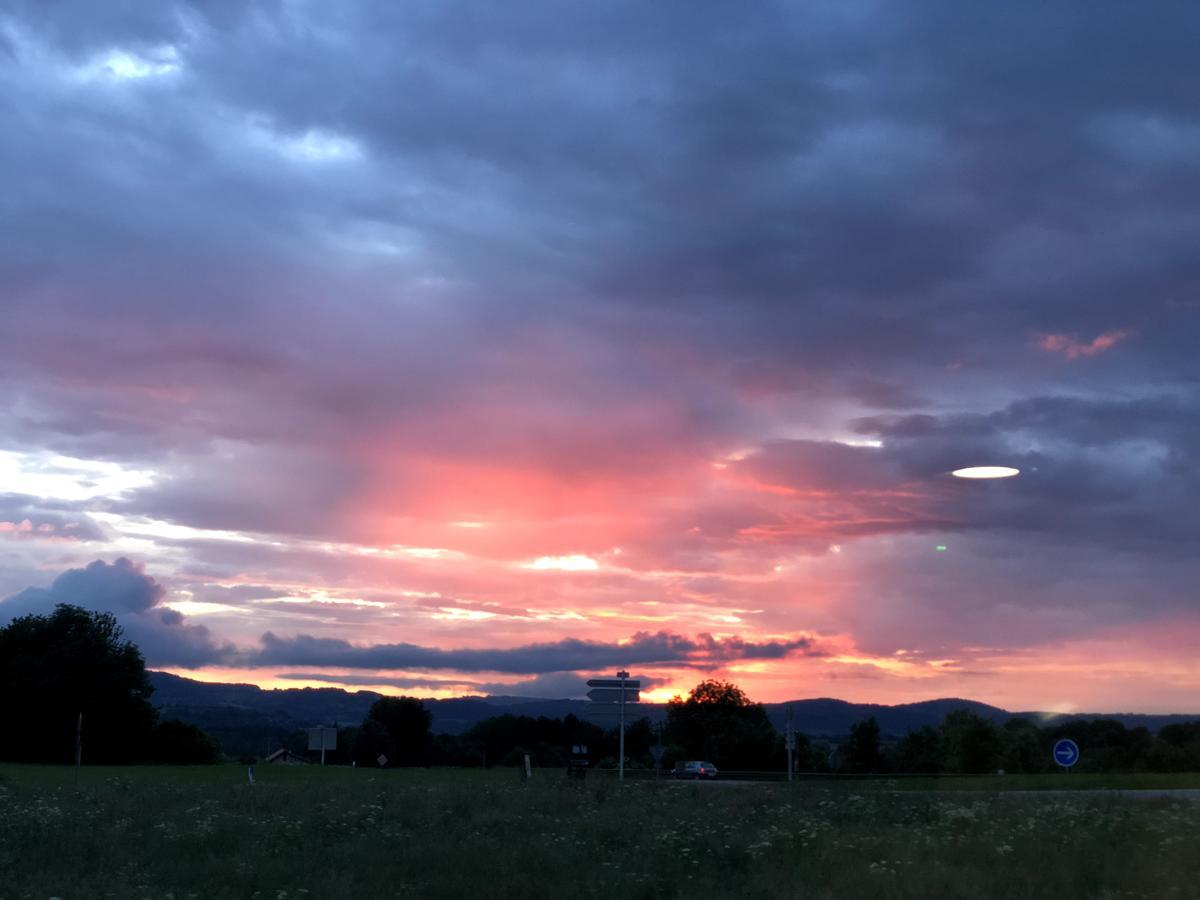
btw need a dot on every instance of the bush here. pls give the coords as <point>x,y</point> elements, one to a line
<point>181,744</point>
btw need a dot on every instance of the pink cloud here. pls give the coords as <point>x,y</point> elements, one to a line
<point>1070,345</point>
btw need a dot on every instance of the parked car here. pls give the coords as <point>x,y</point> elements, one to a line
<point>695,768</point>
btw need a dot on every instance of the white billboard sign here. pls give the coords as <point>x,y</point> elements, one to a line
<point>322,738</point>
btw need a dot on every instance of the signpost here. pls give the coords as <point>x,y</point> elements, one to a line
<point>618,691</point>
<point>322,738</point>
<point>1066,753</point>
<point>789,743</point>
<point>613,695</point>
<point>657,752</point>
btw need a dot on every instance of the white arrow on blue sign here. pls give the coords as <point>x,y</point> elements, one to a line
<point>1066,752</point>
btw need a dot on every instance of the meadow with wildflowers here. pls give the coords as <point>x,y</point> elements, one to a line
<point>307,832</point>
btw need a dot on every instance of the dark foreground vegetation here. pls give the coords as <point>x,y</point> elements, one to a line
<point>157,831</point>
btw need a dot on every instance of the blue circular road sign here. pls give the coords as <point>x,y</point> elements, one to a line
<point>1066,752</point>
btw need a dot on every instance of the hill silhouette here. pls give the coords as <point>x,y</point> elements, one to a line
<point>244,708</point>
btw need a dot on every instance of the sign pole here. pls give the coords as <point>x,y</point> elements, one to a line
<point>78,746</point>
<point>621,751</point>
<point>611,695</point>
<point>790,742</point>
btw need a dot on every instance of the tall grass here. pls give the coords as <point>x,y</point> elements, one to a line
<point>308,832</point>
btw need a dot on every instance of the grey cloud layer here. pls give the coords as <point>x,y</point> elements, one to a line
<point>568,655</point>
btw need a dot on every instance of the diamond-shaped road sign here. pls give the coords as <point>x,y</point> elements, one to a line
<point>612,695</point>
<point>630,684</point>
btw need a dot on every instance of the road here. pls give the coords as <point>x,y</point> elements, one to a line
<point>1134,793</point>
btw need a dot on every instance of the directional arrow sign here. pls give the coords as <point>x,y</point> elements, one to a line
<point>1066,753</point>
<point>612,695</point>
<point>628,683</point>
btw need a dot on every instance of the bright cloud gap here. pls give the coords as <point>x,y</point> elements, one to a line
<point>986,472</point>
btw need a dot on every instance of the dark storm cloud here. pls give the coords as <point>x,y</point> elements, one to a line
<point>1114,472</point>
<point>124,588</point>
<point>1085,422</point>
<point>961,179</point>
<point>561,656</point>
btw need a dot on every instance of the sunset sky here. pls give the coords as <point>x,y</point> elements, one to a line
<point>450,348</point>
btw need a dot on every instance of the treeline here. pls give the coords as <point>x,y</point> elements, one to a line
<point>719,724</point>
<point>966,743</point>
<point>716,722</point>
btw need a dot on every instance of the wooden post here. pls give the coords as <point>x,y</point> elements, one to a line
<point>790,742</point>
<point>78,746</point>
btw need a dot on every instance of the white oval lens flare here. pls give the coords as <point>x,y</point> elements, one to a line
<point>986,472</point>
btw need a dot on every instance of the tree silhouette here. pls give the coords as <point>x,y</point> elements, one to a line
<point>719,723</point>
<point>920,751</point>
<point>398,728</point>
<point>970,743</point>
<point>863,751</point>
<point>72,661</point>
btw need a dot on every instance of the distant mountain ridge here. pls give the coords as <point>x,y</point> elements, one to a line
<point>216,706</point>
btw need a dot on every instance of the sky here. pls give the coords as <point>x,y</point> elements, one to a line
<point>460,348</point>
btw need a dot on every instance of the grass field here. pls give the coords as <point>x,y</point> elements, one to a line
<point>313,833</point>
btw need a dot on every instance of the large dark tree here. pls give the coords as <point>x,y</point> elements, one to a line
<point>719,723</point>
<point>398,728</point>
<point>970,743</point>
<point>920,751</point>
<point>72,661</point>
<point>864,752</point>
<point>1022,747</point>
